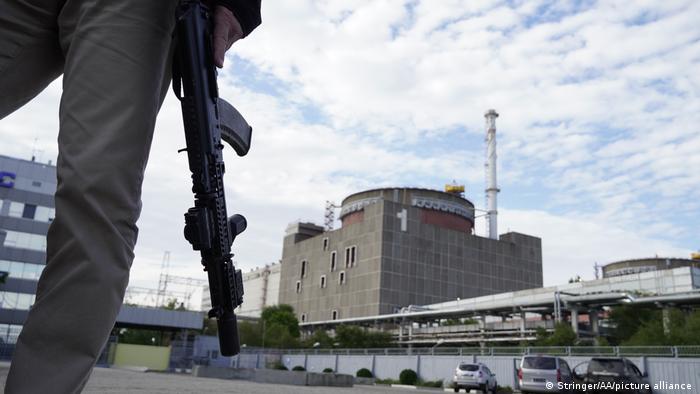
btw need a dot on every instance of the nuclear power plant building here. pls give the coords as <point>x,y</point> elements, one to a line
<point>399,247</point>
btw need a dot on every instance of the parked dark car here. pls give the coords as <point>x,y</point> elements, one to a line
<point>608,371</point>
<point>543,374</point>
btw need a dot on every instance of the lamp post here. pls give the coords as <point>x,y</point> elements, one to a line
<point>438,343</point>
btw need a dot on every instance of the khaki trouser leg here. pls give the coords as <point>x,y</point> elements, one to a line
<point>115,78</point>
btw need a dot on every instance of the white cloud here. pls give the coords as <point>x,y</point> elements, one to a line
<point>571,245</point>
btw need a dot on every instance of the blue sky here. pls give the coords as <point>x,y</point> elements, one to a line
<point>598,135</point>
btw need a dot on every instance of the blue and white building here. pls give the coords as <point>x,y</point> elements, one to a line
<point>26,210</point>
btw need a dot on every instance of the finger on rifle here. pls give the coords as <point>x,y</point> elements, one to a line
<point>227,30</point>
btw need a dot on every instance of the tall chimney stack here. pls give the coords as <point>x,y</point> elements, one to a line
<point>491,184</point>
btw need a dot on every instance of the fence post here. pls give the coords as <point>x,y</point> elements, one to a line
<point>418,365</point>
<point>306,361</point>
<point>374,358</point>
<point>335,370</point>
<point>568,350</point>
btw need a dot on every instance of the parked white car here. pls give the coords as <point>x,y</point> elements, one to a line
<point>474,376</point>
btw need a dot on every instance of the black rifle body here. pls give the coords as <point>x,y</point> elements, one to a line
<point>207,226</point>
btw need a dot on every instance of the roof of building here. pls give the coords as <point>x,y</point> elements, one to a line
<point>418,189</point>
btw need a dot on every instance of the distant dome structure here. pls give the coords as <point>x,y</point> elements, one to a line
<point>442,209</point>
<point>635,266</point>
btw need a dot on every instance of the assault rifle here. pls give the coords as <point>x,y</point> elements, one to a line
<point>208,119</point>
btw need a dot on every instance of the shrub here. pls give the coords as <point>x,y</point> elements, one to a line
<point>430,383</point>
<point>408,377</point>
<point>280,366</point>
<point>364,373</point>
<point>298,368</point>
<point>328,370</point>
<point>386,381</point>
<point>504,390</point>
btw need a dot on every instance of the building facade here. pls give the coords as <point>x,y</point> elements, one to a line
<point>26,210</point>
<point>261,287</point>
<point>399,247</point>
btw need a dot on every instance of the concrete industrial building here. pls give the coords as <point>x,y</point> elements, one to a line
<point>635,266</point>
<point>261,287</point>
<point>399,247</point>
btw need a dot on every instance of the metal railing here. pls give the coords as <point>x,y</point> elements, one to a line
<point>591,351</point>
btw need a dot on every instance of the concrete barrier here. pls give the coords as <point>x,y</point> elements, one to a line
<point>365,381</point>
<point>273,376</point>
<point>329,379</point>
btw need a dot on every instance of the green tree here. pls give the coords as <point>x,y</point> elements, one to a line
<point>143,337</point>
<point>691,329</point>
<point>281,315</point>
<point>278,336</point>
<point>356,337</point>
<point>626,320</point>
<point>563,335</point>
<point>651,333</point>
<point>321,337</point>
<point>250,333</point>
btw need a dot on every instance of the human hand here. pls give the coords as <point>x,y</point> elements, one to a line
<point>227,30</point>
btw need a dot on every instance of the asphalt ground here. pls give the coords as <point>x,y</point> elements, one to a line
<point>113,381</point>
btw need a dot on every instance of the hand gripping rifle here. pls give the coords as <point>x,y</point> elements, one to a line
<point>208,119</point>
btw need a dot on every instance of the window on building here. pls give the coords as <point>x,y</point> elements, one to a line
<point>9,333</point>
<point>20,270</point>
<point>16,209</point>
<point>323,281</point>
<point>325,244</point>
<point>350,256</point>
<point>19,301</point>
<point>304,267</point>
<point>341,278</point>
<point>333,259</point>
<point>298,286</point>
<point>334,315</point>
<point>21,240</point>
<point>353,256</point>
<point>29,211</point>
<point>44,214</point>
<point>303,317</point>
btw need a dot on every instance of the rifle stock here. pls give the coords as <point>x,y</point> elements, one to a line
<point>207,118</point>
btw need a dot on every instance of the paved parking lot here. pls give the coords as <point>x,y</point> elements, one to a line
<point>113,381</point>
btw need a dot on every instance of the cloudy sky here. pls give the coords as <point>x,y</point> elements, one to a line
<point>599,136</point>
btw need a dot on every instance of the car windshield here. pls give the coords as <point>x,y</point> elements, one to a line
<point>539,363</point>
<point>606,366</point>
<point>468,367</point>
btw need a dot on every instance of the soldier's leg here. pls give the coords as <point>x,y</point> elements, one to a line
<point>115,78</point>
<point>30,57</point>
